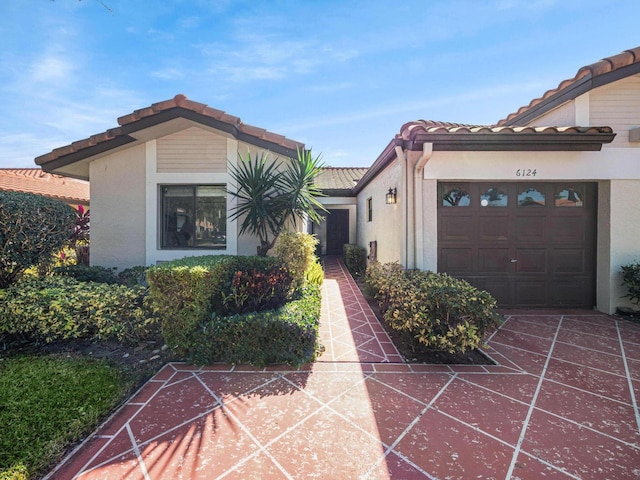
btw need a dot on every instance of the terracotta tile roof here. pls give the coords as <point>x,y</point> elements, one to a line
<point>34,180</point>
<point>333,180</point>
<point>588,77</point>
<point>178,106</point>
<point>446,136</point>
<point>410,130</point>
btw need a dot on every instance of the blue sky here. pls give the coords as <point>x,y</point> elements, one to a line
<point>340,76</point>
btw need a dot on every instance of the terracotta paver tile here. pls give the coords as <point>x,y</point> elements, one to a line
<point>477,406</point>
<point>445,448</point>
<point>519,387</point>
<point>230,385</point>
<point>530,343</point>
<point>579,451</point>
<point>171,407</point>
<point>606,344</point>
<point>261,410</point>
<point>614,418</point>
<point>258,467</point>
<point>530,468</point>
<point>213,443</point>
<point>75,463</point>
<point>352,452</point>
<point>529,362</point>
<point>394,466</point>
<point>589,379</point>
<point>323,386</point>
<point>581,356</point>
<point>367,405</point>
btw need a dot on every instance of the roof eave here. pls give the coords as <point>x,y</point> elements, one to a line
<point>572,91</point>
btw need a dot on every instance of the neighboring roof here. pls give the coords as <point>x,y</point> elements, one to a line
<point>447,136</point>
<point>34,180</point>
<point>589,77</point>
<point>339,181</point>
<point>158,113</point>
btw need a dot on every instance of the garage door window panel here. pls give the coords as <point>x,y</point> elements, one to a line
<point>456,197</point>
<point>531,197</point>
<point>569,197</point>
<point>494,197</point>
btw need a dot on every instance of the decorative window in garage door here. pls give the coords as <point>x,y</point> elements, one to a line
<point>531,197</point>
<point>456,197</point>
<point>569,197</point>
<point>494,197</point>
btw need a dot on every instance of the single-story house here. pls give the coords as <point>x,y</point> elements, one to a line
<point>72,191</point>
<point>159,182</point>
<point>538,209</point>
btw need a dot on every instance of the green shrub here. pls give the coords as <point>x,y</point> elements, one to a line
<point>631,280</point>
<point>186,291</point>
<point>440,312</point>
<point>32,229</point>
<point>314,274</point>
<point>85,273</point>
<point>61,308</point>
<point>288,334</point>
<point>133,276</point>
<point>297,251</point>
<point>355,259</point>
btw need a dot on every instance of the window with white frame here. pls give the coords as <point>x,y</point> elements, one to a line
<point>193,216</point>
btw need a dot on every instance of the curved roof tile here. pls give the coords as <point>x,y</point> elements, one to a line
<point>179,101</point>
<point>602,67</point>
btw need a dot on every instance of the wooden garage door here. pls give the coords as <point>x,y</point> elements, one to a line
<point>528,244</point>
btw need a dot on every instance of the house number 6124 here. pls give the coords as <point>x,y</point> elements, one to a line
<point>526,172</point>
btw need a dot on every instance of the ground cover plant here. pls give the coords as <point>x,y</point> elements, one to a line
<point>49,402</point>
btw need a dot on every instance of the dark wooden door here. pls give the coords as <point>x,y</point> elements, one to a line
<point>337,230</point>
<point>528,244</point>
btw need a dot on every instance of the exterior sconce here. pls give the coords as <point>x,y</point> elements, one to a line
<point>391,196</point>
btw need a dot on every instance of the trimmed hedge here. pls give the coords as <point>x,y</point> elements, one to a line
<point>85,273</point>
<point>440,312</point>
<point>60,308</point>
<point>288,335</point>
<point>187,291</point>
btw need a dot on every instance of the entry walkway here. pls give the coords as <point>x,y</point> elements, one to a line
<point>562,403</point>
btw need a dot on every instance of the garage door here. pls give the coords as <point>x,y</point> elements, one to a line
<point>530,245</point>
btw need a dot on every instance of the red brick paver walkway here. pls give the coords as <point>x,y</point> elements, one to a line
<point>562,403</point>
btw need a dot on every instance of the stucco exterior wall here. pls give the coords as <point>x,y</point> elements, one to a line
<point>386,224</point>
<point>118,216</point>
<point>624,236</point>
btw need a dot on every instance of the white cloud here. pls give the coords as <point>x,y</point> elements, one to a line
<point>168,74</point>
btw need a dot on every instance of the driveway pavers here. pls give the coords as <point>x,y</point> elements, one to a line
<point>561,402</point>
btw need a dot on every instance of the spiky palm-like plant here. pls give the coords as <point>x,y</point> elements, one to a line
<point>270,194</point>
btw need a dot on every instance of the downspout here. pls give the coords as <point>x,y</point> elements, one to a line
<point>427,152</point>
<point>405,196</point>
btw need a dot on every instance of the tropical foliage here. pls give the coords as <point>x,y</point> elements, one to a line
<point>272,193</point>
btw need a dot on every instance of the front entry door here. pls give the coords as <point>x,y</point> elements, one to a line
<point>528,244</point>
<point>337,230</point>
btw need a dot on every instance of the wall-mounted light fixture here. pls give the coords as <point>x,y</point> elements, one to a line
<point>391,196</point>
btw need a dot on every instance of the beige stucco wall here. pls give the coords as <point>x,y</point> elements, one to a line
<point>386,225</point>
<point>118,217</point>
<point>624,237</point>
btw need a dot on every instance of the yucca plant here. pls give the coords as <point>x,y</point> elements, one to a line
<point>270,194</point>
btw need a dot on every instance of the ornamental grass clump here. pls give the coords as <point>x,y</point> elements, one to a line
<point>440,312</point>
